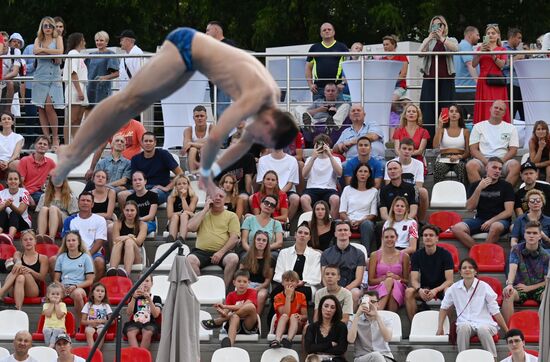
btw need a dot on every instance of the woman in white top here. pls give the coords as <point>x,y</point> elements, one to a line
<point>78,78</point>
<point>359,205</point>
<point>11,144</point>
<point>407,228</point>
<point>321,171</point>
<point>451,137</point>
<point>14,204</point>
<point>476,307</point>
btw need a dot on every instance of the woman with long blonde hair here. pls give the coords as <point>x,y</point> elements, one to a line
<point>47,92</point>
<point>539,149</point>
<point>232,201</point>
<point>180,207</point>
<point>260,264</point>
<point>407,228</point>
<point>54,206</point>
<point>411,126</point>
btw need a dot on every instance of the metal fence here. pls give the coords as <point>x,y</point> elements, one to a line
<point>152,119</point>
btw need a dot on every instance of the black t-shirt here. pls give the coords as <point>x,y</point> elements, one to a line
<point>246,165</point>
<point>258,277</point>
<point>327,68</point>
<point>144,202</point>
<point>389,192</point>
<point>521,202</point>
<point>432,267</point>
<point>492,199</point>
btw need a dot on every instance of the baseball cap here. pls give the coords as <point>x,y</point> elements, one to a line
<point>529,165</point>
<point>64,337</point>
<point>127,34</point>
<point>17,36</point>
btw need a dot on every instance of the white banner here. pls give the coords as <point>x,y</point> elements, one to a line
<point>277,68</point>
<point>177,109</point>
<point>380,77</point>
<point>534,80</point>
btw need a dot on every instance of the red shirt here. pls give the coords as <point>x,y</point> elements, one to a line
<point>400,58</point>
<point>132,133</point>
<point>35,173</point>
<point>282,204</point>
<point>233,298</point>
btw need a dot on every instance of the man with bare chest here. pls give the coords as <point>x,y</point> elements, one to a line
<point>185,50</point>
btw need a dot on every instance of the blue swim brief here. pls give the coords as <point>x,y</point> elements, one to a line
<point>182,39</point>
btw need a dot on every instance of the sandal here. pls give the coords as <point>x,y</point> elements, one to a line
<point>209,324</point>
<point>275,344</point>
<point>286,343</point>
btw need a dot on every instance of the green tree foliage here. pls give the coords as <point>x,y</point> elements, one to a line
<point>256,25</point>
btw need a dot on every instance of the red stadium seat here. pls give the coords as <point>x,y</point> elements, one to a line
<point>117,287</point>
<point>475,339</point>
<point>84,351</point>
<point>444,220</point>
<point>47,249</point>
<point>7,251</point>
<point>454,253</point>
<point>135,354</point>
<point>69,327</point>
<point>528,322</point>
<point>531,303</point>
<point>489,257</point>
<point>30,300</point>
<point>495,285</point>
<point>109,336</point>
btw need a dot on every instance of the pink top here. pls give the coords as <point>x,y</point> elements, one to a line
<point>382,268</point>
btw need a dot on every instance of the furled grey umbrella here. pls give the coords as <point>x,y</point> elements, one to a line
<point>544,315</point>
<point>179,339</point>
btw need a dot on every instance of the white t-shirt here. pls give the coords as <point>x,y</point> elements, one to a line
<point>79,67</point>
<point>133,65</point>
<point>286,169</point>
<point>358,204</point>
<point>528,358</point>
<point>406,229</point>
<point>7,145</point>
<point>97,311</point>
<point>21,196</point>
<point>76,359</point>
<point>10,358</point>
<point>412,173</point>
<point>90,229</point>
<point>494,140</point>
<point>322,175</point>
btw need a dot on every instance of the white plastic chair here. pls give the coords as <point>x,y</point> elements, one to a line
<point>209,289</point>
<point>80,170</point>
<point>177,159</point>
<point>160,287</point>
<point>305,216</point>
<point>448,194</point>
<point>244,337</point>
<point>230,354</point>
<point>204,334</point>
<point>424,327</point>
<point>77,187</point>
<point>43,354</point>
<point>12,321</point>
<point>166,264</point>
<point>141,266</point>
<point>424,355</point>
<point>363,249</point>
<point>395,324</point>
<point>271,355</point>
<point>52,156</point>
<point>190,235</point>
<point>201,194</point>
<point>475,355</point>
<point>271,333</point>
<point>4,352</point>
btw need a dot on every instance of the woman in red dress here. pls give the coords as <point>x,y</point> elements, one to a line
<point>489,65</point>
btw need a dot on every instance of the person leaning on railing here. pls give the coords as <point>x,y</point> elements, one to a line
<point>437,41</point>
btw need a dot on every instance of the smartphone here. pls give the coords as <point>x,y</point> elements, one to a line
<point>445,114</point>
<point>486,39</point>
<point>435,27</point>
<point>319,146</point>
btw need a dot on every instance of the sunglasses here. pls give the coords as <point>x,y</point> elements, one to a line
<point>535,201</point>
<point>492,25</point>
<point>269,203</point>
<point>48,26</point>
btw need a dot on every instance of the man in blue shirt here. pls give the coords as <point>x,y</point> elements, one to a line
<point>466,74</point>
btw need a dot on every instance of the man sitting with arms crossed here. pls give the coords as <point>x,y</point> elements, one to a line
<point>435,266</point>
<point>185,50</point>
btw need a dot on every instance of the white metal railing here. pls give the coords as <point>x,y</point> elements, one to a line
<point>288,104</point>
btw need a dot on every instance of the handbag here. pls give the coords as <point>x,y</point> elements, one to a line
<point>452,327</point>
<point>496,80</point>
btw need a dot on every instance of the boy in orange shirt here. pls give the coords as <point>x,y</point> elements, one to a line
<point>291,309</point>
<point>239,313</point>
